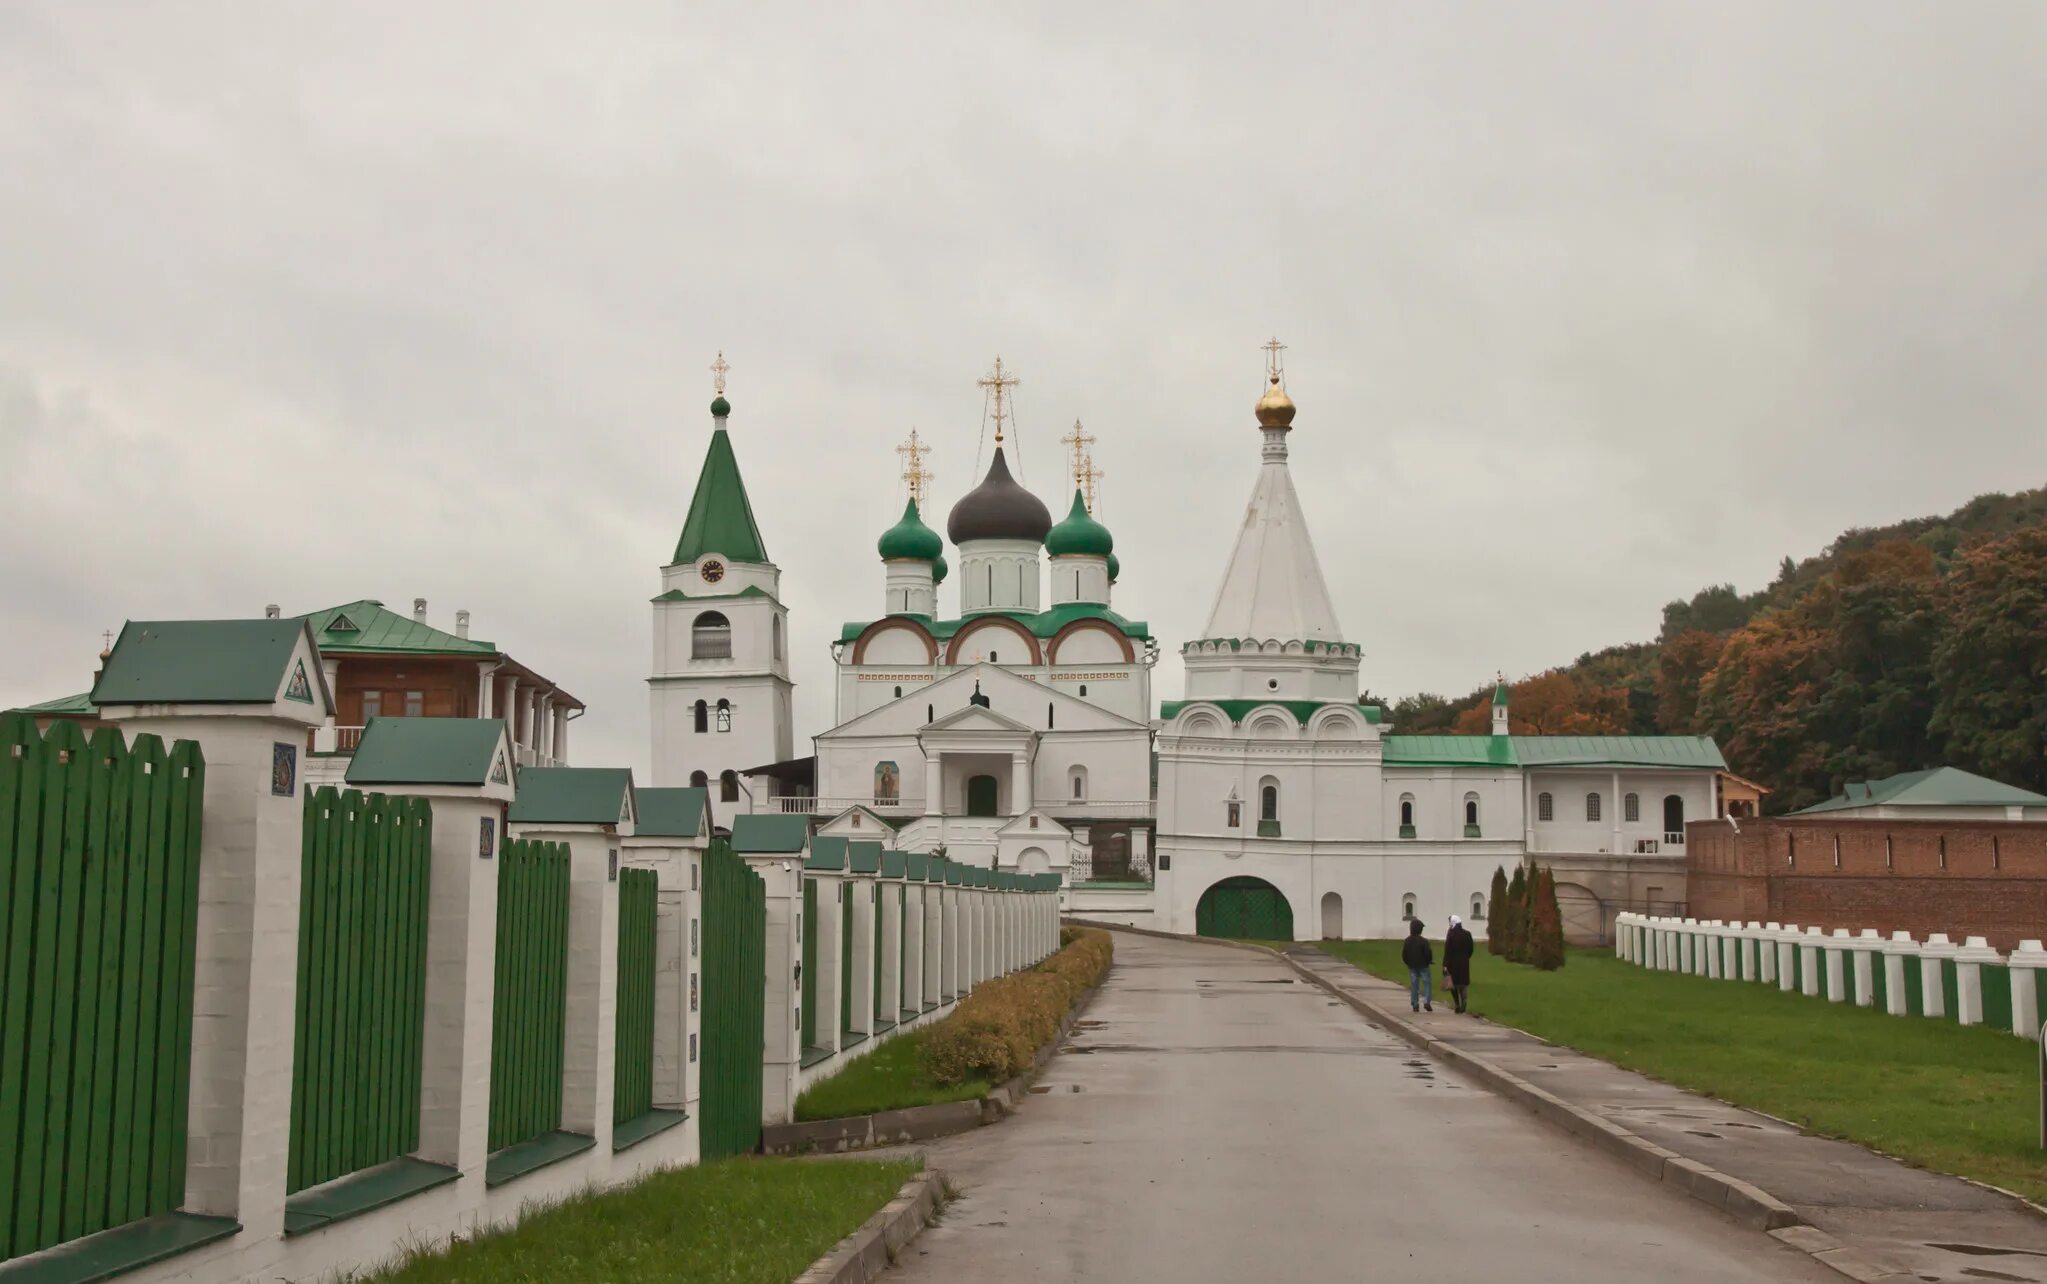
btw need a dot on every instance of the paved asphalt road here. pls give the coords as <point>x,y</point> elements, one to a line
<point>1217,1119</point>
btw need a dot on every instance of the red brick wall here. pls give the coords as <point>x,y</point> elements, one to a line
<point>1965,878</point>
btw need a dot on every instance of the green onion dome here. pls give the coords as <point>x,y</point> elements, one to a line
<point>938,570</point>
<point>1080,535</point>
<point>721,407</point>
<point>1115,568</point>
<point>910,539</point>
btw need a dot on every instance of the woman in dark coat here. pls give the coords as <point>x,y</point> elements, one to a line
<point>1457,950</point>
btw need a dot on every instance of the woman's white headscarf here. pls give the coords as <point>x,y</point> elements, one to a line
<point>1454,920</point>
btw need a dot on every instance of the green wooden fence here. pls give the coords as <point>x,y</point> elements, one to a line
<point>632,1076</point>
<point>529,1017</point>
<point>99,902</point>
<point>361,1022</point>
<point>734,1009</point>
<point>809,1015</point>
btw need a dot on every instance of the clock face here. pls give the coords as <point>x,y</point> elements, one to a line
<point>712,571</point>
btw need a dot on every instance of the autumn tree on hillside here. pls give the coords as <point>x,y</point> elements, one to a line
<point>1555,704</point>
<point>1681,671</point>
<point>1990,664</point>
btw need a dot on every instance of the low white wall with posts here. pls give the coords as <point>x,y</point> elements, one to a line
<point>1968,983</point>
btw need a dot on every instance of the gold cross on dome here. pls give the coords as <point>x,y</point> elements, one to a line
<point>1078,441</point>
<point>999,382</point>
<point>1087,477</point>
<point>1273,347</point>
<point>718,369</point>
<point>913,452</point>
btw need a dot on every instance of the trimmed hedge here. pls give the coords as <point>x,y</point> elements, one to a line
<point>1000,1026</point>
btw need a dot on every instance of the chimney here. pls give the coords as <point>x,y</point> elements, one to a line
<point>461,624</point>
<point>271,611</point>
<point>419,610</point>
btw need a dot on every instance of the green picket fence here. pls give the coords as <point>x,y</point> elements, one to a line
<point>632,1076</point>
<point>734,1009</point>
<point>361,1022</point>
<point>809,1016</point>
<point>99,903</point>
<point>530,1015</point>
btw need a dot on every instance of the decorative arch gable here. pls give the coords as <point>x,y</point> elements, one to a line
<point>1060,639</point>
<point>957,648</point>
<point>895,625</point>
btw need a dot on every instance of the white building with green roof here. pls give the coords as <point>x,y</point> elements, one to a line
<point>1287,808</point>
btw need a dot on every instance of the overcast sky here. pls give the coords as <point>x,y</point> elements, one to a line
<point>1587,306</point>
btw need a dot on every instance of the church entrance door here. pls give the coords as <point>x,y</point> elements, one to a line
<point>1244,907</point>
<point>981,796</point>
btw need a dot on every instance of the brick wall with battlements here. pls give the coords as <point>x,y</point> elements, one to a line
<point>1980,878</point>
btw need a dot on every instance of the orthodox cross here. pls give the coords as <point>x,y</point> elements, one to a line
<point>1078,441</point>
<point>1086,476</point>
<point>999,382</point>
<point>913,452</point>
<point>718,369</point>
<point>1273,368</point>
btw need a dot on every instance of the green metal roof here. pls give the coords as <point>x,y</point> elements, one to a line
<point>1079,535</point>
<point>426,751</point>
<point>368,628</point>
<point>199,662</point>
<point>770,833</point>
<point>863,856</point>
<point>571,795</point>
<point>1500,693</point>
<point>1044,624</point>
<point>1449,751</point>
<point>1618,751</point>
<point>80,704</point>
<point>1933,787</point>
<point>720,516</point>
<point>677,595</point>
<point>673,812</point>
<point>909,539</point>
<point>1301,709</point>
<point>827,852</point>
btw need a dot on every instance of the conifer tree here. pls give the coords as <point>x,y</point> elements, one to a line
<point>1496,909</point>
<point>1513,919</point>
<point>1545,923</point>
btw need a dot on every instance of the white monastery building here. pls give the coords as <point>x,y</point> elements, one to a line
<point>1017,729</point>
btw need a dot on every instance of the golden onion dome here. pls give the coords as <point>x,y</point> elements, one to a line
<point>1275,408</point>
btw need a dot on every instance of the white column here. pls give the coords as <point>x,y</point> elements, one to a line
<point>1613,801</point>
<point>934,780</point>
<point>592,988</point>
<point>1969,961</point>
<point>1896,1001</point>
<point>561,734</point>
<point>2026,962</point>
<point>485,680</point>
<point>461,981</point>
<point>1836,960</point>
<point>1936,955</point>
<point>1020,783</point>
<point>513,711</point>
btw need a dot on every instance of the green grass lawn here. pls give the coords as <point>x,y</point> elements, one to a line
<point>1961,1100</point>
<point>891,1077</point>
<point>757,1221</point>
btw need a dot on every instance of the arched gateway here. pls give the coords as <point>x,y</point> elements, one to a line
<point>1248,907</point>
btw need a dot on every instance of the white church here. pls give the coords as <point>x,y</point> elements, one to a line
<point>1019,730</point>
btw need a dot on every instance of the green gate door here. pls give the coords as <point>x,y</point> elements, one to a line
<point>1244,907</point>
<point>735,992</point>
<point>981,796</point>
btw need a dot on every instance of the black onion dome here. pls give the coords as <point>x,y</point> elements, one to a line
<point>998,508</point>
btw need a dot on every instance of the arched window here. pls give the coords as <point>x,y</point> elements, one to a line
<point>778,636</point>
<point>1592,806</point>
<point>1471,815</point>
<point>1673,818</point>
<point>702,716</point>
<point>1407,815</point>
<point>1407,907</point>
<point>728,786</point>
<point>1268,802</point>
<point>710,637</point>
<point>698,780</point>
<point>1076,776</point>
<point>1477,906</point>
<point>930,713</point>
<point>992,658</point>
<point>899,693</point>
<point>1545,807</point>
<point>1083,690</point>
<point>1631,809</point>
<point>724,715</point>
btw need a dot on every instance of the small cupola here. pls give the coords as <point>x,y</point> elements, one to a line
<point>999,508</point>
<point>1080,535</point>
<point>912,556</point>
<point>1082,552</point>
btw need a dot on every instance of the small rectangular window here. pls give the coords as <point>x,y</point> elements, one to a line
<point>415,704</point>
<point>372,706</point>
<point>1943,851</point>
<point>1592,806</point>
<point>1837,851</point>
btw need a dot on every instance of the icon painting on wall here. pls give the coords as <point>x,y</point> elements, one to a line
<point>284,769</point>
<point>299,688</point>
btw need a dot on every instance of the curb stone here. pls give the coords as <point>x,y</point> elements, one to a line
<point>1744,1202</point>
<point>881,1239</point>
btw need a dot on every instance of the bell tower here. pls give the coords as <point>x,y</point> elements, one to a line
<point>721,697</point>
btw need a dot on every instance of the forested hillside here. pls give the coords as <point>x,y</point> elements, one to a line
<point>1898,647</point>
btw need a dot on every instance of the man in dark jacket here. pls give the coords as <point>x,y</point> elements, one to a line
<point>1415,952</point>
<point>1457,950</point>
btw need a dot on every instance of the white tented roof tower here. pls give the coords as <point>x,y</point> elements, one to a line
<point>1273,633</point>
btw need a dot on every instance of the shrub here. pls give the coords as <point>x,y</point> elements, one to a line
<point>1000,1026</point>
<point>1514,920</point>
<point>1545,923</point>
<point>1496,910</point>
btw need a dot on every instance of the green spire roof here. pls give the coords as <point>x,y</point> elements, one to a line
<point>910,539</point>
<point>1500,692</point>
<point>720,516</point>
<point>1080,534</point>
